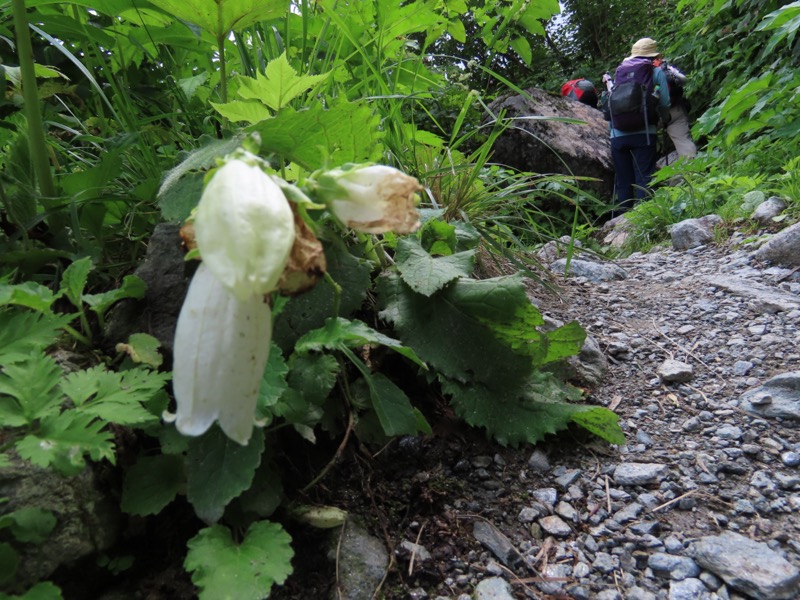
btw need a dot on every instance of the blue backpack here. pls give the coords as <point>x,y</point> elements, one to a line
<point>632,104</point>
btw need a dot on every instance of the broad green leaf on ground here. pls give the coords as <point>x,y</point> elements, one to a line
<point>41,591</point>
<point>9,561</point>
<point>438,237</point>
<point>518,330</point>
<point>62,441</point>
<point>345,132</point>
<point>28,294</point>
<point>602,422</point>
<point>279,86</point>
<point>426,274</point>
<point>29,525</point>
<point>295,409</point>
<point>448,330</point>
<point>143,348</point>
<point>564,341</point>
<point>74,280</point>
<point>112,396</point>
<point>342,333</point>
<point>179,199</point>
<point>218,17</point>
<point>265,494</point>
<point>24,333</point>
<point>314,376</point>
<point>132,287</point>
<point>243,111</point>
<point>218,470</point>
<point>309,311</point>
<point>394,410</point>
<point>225,570</point>
<point>28,391</point>
<point>152,483</point>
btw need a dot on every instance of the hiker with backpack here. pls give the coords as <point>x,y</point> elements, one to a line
<point>678,126</point>
<point>637,102</point>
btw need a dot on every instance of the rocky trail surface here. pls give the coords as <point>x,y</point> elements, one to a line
<point>702,363</point>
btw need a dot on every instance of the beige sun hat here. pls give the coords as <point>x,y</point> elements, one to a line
<point>645,47</point>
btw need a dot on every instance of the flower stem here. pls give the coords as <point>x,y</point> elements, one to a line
<point>337,293</point>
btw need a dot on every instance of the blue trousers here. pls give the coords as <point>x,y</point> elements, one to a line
<point>634,157</point>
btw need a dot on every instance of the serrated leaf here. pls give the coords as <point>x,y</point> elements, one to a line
<point>24,333</point>
<point>28,294</point>
<point>143,348</point>
<point>394,410</point>
<point>224,570</point>
<point>345,132</point>
<point>246,111</point>
<point>601,422</point>
<point>294,408</point>
<point>279,86</point>
<point>63,440</point>
<point>314,376</point>
<point>132,287</point>
<point>273,382</point>
<point>218,17</point>
<point>29,525</point>
<point>564,341</point>
<point>152,483</point>
<point>426,274</point>
<point>309,311</point>
<point>179,199</point>
<point>438,233</point>
<point>114,397</point>
<point>342,333</point>
<point>218,469</point>
<point>31,390</point>
<point>74,279</point>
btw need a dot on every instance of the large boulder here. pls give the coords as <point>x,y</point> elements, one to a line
<point>546,146</point>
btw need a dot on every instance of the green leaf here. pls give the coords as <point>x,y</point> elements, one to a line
<point>273,382</point>
<point>41,591</point>
<point>250,112</point>
<point>309,311</point>
<point>426,274</point>
<point>31,390</point>
<point>224,570</point>
<point>143,348</point>
<point>601,422</point>
<point>29,525</point>
<point>73,282</point>
<point>25,333</point>
<point>179,199</point>
<point>564,341</point>
<point>114,397</point>
<point>152,483</point>
<point>63,440</point>
<point>314,375</point>
<point>438,234</point>
<point>218,17</point>
<point>280,86</point>
<point>219,469</point>
<point>394,410</point>
<point>345,132</point>
<point>341,333</point>
<point>522,47</point>
<point>9,561</point>
<point>132,287</point>
<point>28,294</point>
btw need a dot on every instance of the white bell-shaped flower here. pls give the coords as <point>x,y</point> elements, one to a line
<point>372,198</point>
<point>244,229</point>
<point>221,349</point>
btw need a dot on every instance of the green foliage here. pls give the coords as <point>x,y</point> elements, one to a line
<point>152,483</point>
<point>225,570</point>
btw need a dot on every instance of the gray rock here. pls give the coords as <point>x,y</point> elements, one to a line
<point>638,593</point>
<point>675,371</point>
<point>590,270</point>
<point>87,521</point>
<point>748,566</point>
<point>673,566</point>
<point>590,366</point>
<point>791,459</point>
<point>362,561</point>
<point>555,526</point>
<point>777,397</point>
<point>555,249</point>
<point>767,299</point>
<point>493,539</point>
<point>688,589</point>
<point>538,461</point>
<point>604,562</point>
<point>419,552</point>
<point>493,588</point>
<point>639,473</point>
<point>691,233</point>
<point>768,210</point>
<point>782,248</point>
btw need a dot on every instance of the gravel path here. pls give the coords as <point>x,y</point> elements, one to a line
<point>703,502</point>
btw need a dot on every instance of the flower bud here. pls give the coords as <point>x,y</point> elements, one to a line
<point>244,229</point>
<point>371,199</point>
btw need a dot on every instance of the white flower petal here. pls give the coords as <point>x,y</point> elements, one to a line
<point>221,349</point>
<point>244,229</point>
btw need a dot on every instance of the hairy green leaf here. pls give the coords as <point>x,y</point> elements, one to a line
<point>564,341</point>
<point>247,111</point>
<point>28,391</point>
<point>273,382</point>
<point>152,483</point>
<point>225,570</point>
<point>28,294</point>
<point>601,422</point>
<point>219,469</point>
<point>218,17</point>
<point>143,348</point>
<point>132,287</point>
<point>426,274</point>
<point>74,279</point>
<point>279,86</point>
<point>394,410</point>
<point>24,333</point>
<point>314,375</point>
<point>345,132</point>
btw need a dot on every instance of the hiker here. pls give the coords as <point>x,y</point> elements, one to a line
<point>581,90</point>
<point>678,125</point>
<point>639,99</point>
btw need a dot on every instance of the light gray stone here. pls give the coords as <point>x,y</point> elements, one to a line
<point>688,589</point>
<point>538,461</point>
<point>777,397</point>
<point>493,588</point>
<point>767,299</point>
<point>640,473</point>
<point>555,526</point>
<point>691,233</point>
<point>768,210</point>
<point>673,566</point>
<point>675,371</point>
<point>362,561</point>
<point>782,248</point>
<point>748,566</point>
<point>493,539</point>
<point>592,271</point>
